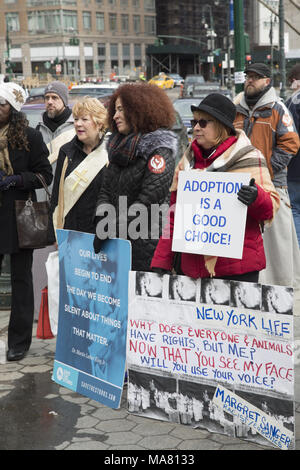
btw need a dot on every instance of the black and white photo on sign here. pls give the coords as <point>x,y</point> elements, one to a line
<point>277,299</point>
<point>148,284</point>
<point>182,288</point>
<point>245,295</point>
<point>215,291</point>
<point>191,403</point>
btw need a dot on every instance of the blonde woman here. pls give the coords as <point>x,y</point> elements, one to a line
<point>78,174</point>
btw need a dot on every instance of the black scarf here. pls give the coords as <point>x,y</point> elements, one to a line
<point>122,148</point>
<point>54,123</point>
<point>252,100</point>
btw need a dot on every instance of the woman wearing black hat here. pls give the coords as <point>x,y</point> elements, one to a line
<point>217,146</point>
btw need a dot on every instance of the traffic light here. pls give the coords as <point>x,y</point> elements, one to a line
<point>74,42</point>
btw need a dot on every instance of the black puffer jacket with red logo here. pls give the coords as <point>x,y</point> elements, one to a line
<point>133,188</point>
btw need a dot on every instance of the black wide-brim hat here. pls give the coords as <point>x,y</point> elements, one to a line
<point>220,107</point>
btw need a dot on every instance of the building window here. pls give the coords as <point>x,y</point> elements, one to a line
<point>99,3</point>
<point>149,5</point>
<point>136,4</point>
<point>124,3</point>
<point>111,3</point>
<point>137,51</point>
<point>150,27</point>
<point>44,21</point>
<point>50,21</point>
<point>70,20</point>
<point>12,21</point>
<point>100,21</point>
<point>136,23</point>
<point>114,51</point>
<point>37,3</point>
<point>125,23</point>
<point>126,51</point>
<point>87,20</point>
<point>101,50</point>
<point>112,22</point>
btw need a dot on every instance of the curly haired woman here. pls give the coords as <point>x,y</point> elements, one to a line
<point>22,155</point>
<point>141,153</point>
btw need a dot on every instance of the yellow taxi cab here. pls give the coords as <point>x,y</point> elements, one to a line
<point>162,81</point>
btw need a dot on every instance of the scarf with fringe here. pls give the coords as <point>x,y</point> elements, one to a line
<point>5,164</point>
<point>240,156</point>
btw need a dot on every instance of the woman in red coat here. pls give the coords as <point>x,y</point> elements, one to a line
<point>217,146</point>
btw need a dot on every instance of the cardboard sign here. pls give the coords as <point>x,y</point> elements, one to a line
<point>188,338</point>
<point>93,305</point>
<point>209,219</point>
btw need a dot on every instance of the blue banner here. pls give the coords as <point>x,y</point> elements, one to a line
<point>93,308</point>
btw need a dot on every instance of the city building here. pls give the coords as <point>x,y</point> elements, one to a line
<point>78,38</point>
<point>265,34</point>
<point>193,35</point>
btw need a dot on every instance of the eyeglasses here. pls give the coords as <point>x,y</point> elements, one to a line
<point>254,77</point>
<point>202,122</point>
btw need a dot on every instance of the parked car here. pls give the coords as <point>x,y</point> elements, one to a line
<point>36,108</point>
<point>178,80</point>
<point>37,92</point>
<point>200,91</point>
<point>183,108</point>
<point>189,81</point>
<point>180,130</point>
<point>33,111</point>
<point>204,88</point>
<point>162,81</point>
<point>91,89</point>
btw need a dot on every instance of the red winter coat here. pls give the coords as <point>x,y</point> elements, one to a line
<point>263,209</point>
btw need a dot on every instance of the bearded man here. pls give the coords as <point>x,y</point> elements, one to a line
<point>270,127</point>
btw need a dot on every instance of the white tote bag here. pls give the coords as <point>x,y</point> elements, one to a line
<point>52,267</point>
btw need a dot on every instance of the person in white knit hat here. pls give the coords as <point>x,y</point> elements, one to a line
<point>14,94</point>
<point>22,155</point>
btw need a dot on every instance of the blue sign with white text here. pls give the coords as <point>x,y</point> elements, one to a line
<point>93,307</point>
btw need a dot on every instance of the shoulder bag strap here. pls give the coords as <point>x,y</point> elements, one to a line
<point>42,180</point>
<point>60,204</point>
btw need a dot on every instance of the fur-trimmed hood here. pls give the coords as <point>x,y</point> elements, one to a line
<point>161,138</point>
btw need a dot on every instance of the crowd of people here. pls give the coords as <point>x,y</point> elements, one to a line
<point>107,164</point>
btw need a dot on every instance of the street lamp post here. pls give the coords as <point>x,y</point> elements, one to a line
<point>7,61</point>
<point>239,44</point>
<point>282,51</point>
<point>210,33</point>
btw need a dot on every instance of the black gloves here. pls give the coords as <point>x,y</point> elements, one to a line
<point>248,194</point>
<point>7,182</point>
<point>97,244</point>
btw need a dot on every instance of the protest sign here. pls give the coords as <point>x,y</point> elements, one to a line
<point>187,337</point>
<point>209,218</point>
<point>93,305</point>
<point>256,419</point>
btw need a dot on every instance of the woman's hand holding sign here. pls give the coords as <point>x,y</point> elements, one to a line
<point>248,193</point>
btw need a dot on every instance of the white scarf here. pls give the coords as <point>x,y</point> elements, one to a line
<point>77,182</point>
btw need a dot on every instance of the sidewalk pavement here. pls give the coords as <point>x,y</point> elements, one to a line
<point>38,414</point>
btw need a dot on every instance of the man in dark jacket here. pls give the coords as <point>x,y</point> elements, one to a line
<point>270,128</point>
<point>293,178</point>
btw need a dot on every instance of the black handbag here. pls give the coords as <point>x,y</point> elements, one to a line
<point>32,220</point>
